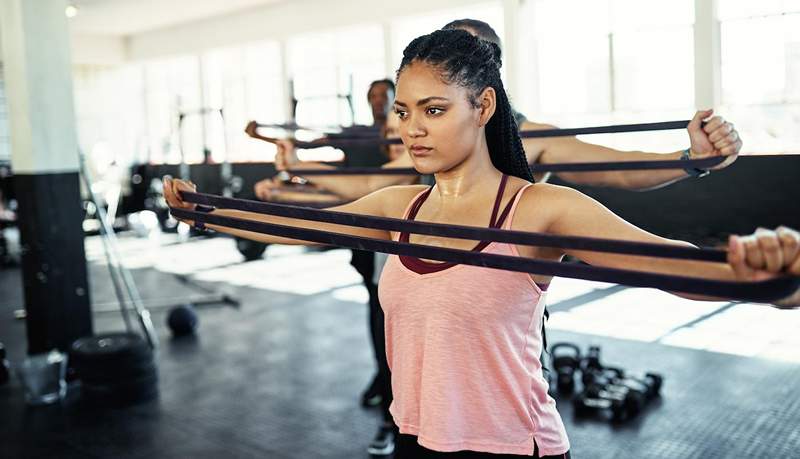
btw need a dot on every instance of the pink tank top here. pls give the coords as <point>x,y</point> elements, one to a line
<point>463,343</point>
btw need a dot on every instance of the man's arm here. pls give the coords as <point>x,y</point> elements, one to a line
<point>348,187</point>
<point>356,186</point>
<point>716,138</point>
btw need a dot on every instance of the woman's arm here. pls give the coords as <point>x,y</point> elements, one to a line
<point>716,138</point>
<point>759,256</point>
<point>385,202</point>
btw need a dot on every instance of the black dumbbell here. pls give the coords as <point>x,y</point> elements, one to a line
<point>619,400</point>
<point>649,385</point>
<point>594,399</point>
<point>566,359</point>
<point>602,376</point>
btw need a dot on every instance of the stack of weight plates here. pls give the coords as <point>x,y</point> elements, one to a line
<point>115,369</point>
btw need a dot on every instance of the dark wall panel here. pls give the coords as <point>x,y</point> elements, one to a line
<point>754,191</point>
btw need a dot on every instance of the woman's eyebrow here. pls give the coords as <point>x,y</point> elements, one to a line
<point>423,101</point>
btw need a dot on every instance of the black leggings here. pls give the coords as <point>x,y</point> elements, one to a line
<point>378,334</point>
<point>364,262</point>
<point>408,448</point>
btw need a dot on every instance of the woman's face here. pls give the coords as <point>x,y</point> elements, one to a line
<point>438,124</point>
<point>392,131</point>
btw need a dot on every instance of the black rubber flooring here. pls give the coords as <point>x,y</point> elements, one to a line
<point>280,377</point>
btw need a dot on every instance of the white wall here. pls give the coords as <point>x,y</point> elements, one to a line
<point>276,22</point>
<point>98,49</point>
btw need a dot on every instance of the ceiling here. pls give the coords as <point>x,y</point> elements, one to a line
<point>129,17</point>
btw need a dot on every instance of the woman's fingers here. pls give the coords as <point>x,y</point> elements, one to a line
<point>775,252</point>
<point>770,248</point>
<point>790,245</point>
<point>752,253</point>
<point>737,258</point>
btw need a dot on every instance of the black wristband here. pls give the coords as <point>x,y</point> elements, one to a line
<point>692,171</point>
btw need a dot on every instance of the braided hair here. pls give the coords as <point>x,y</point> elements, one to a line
<point>474,64</point>
<point>476,27</point>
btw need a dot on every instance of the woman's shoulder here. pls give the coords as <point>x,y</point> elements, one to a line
<point>548,194</point>
<point>402,190</point>
<point>397,198</point>
<point>546,202</point>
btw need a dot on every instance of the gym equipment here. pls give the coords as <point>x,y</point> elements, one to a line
<point>622,402</point>
<point>602,377</point>
<point>251,250</point>
<point>610,389</point>
<point>649,386</point>
<point>120,276</point>
<point>591,365</point>
<point>115,369</point>
<point>231,184</point>
<point>566,358</point>
<point>182,320</point>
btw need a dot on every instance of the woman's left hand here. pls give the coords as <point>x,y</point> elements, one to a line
<point>766,254</point>
<point>717,138</point>
<point>172,194</point>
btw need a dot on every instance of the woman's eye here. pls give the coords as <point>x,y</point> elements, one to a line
<point>434,111</point>
<point>401,113</point>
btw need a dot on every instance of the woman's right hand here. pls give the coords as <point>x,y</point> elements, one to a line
<point>286,157</point>
<point>172,190</point>
<point>766,254</point>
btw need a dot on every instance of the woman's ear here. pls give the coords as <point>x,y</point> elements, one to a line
<point>487,101</point>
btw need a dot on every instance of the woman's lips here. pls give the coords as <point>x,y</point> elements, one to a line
<point>419,150</point>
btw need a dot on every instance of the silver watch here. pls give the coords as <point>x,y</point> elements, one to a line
<point>692,171</point>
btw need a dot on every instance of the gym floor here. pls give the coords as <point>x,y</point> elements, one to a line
<point>281,375</point>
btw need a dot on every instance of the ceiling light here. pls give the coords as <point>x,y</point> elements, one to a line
<point>71,10</point>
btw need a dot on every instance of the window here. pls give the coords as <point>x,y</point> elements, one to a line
<point>184,96</point>
<point>172,87</point>
<point>110,114</point>
<point>616,61</point>
<point>331,72</point>
<point>760,70</point>
<point>246,83</point>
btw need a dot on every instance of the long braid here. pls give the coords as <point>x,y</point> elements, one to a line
<point>503,131</point>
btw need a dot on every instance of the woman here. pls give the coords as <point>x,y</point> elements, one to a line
<point>462,341</point>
